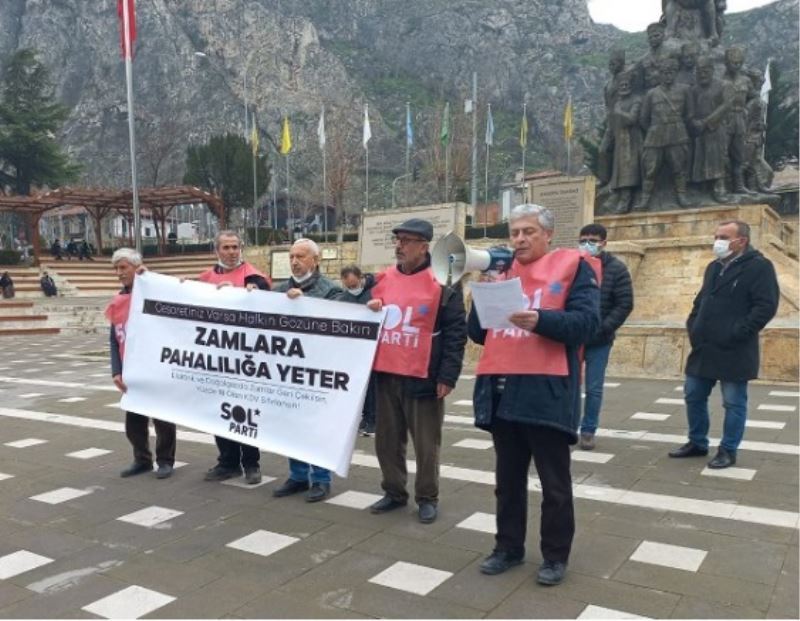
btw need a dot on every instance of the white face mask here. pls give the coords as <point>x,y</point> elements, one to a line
<point>591,247</point>
<point>722,248</point>
<point>301,279</point>
<point>355,291</point>
<point>227,267</point>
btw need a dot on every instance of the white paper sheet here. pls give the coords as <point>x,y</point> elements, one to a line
<point>496,301</point>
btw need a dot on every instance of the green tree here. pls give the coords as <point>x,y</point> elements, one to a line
<point>225,165</point>
<point>30,118</point>
<point>782,113</point>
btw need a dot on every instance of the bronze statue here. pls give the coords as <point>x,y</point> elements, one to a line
<point>647,66</point>
<point>616,63</point>
<point>673,11</point>
<point>623,123</point>
<point>690,51</point>
<point>707,125</point>
<point>665,110</point>
<point>738,92</point>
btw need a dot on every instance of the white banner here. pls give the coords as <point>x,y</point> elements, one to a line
<point>287,376</point>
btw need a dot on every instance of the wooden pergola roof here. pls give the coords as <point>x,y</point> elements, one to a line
<point>99,202</point>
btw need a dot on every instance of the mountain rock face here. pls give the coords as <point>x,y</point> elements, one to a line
<point>198,60</point>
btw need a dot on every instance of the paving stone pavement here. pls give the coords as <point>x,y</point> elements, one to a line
<point>656,537</point>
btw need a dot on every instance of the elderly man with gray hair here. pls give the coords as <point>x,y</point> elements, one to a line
<point>527,390</point>
<point>307,280</point>
<point>127,262</point>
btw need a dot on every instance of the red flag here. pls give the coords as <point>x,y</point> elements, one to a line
<point>131,26</point>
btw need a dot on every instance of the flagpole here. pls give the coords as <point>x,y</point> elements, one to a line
<point>569,138</point>
<point>274,180</point>
<point>365,140</point>
<point>137,221</point>
<point>525,142</point>
<point>289,233</point>
<point>408,148</point>
<point>324,181</point>
<point>474,175</point>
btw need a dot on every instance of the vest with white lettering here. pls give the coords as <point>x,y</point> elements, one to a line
<point>412,303</point>
<point>545,283</point>
<point>117,314</point>
<point>237,276</point>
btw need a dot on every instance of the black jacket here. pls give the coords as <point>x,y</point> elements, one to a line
<point>616,299</point>
<point>447,348</point>
<point>548,400</point>
<point>728,313</point>
<point>317,286</point>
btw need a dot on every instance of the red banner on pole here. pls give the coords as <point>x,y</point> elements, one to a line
<point>126,39</point>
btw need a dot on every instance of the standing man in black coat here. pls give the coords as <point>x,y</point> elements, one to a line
<point>616,303</point>
<point>739,296</point>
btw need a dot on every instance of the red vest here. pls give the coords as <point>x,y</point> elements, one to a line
<point>236,276</point>
<point>117,314</point>
<point>545,283</point>
<point>411,303</point>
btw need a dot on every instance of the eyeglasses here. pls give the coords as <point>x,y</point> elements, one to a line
<point>584,240</point>
<point>403,240</point>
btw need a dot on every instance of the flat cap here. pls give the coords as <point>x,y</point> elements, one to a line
<point>416,226</point>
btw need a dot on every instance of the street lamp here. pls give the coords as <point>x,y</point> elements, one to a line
<point>395,182</point>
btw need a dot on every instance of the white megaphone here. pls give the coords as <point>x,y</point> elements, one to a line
<point>451,258</point>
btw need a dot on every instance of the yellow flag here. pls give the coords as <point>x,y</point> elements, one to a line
<point>254,139</point>
<point>568,120</point>
<point>286,137</point>
<point>523,132</point>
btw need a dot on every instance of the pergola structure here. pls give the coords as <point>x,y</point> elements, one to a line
<point>99,203</point>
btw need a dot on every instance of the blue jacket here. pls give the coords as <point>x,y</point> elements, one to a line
<point>548,400</point>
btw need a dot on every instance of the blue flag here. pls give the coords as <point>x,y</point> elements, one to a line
<point>409,127</point>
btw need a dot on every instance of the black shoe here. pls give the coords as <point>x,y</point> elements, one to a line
<point>723,459</point>
<point>551,573</point>
<point>290,487</point>
<point>252,476</point>
<point>164,471</point>
<point>387,503</point>
<point>221,473</point>
<point>499,561</point>
<point>427,512</point>
<point>690,449</point>
<point>136,468</point>
<point>367,431</point>
<point>318,491</point>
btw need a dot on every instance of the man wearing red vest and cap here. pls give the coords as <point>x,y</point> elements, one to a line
<point>527,390</point>
<point>418,361</point>
<point>232,270</point>
<point>126,262</point>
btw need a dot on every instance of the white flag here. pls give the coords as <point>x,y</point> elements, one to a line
<point>367,130</point>
<point>489,138</point>
<point>321,129</point>
<point>767,86</point>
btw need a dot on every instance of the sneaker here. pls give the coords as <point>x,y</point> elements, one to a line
<point>290,487</point>
<point>220,473</point>
<point>587,441</point>
<point>551,573</point>
<point>164,471</point>
<point>136,468</point>
<point>252,476</point>
<point>500,561</point>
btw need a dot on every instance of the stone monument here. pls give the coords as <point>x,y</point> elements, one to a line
<point>685,125</point>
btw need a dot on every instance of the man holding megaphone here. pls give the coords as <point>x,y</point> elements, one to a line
<point>527,390</point>
<point>418,361</point>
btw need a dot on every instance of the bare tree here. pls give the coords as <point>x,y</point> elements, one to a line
<point>160,146</point>
<point>343,156</point>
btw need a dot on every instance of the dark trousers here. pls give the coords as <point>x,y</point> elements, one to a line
<point>138,432</point>
<point>368,411</point>
<point>514,445</point>
<point>235,455</point>
<point>398,417</point>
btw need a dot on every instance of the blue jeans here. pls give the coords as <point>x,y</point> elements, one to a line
<point>299,471</point>
<point>734,400</point>
<point>596,357</point>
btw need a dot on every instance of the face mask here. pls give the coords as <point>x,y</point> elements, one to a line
<point>301,279</point>
<point>225,267</point>
<point>356,291</point>
<point>722,248</point>
<point>591,247</point>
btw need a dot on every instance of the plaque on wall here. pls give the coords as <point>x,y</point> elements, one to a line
<point>571,199</point>
<point>375,246</point>
<point>279,268</point>
<point>330,253</point>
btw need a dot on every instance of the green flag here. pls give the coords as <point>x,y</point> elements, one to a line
<point>445,135</point>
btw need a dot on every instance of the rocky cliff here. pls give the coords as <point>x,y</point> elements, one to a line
<point>194,57</point>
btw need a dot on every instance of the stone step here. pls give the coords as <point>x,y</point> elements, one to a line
<point>29,331</point>
<point>23,321</point>
<point>5,305</point>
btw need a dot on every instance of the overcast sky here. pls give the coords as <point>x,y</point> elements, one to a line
<point>634,15</point>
